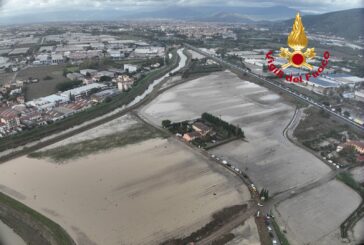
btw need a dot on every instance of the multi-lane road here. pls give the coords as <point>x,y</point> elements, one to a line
<point>281,87</point>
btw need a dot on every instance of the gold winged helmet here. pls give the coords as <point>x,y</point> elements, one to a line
<point>297,41</point>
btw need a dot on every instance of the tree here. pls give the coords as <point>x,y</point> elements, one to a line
<point>264,194</point>
<point>166,123</point>
<point>346,114</point>
<point>105,79</point>
<point>66,85</point>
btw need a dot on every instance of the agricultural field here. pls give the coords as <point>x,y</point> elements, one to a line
<point>49,77</point>
<point>131,193</point>
<point>315,216</point>
<point>267,157</point>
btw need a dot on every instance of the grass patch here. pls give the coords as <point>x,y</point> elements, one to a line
<point>349,223</point>
<point>281,236</point>
<point>348,179</point>
<point>315,124</point>
<point>55,230</point>
<point>133,135</point>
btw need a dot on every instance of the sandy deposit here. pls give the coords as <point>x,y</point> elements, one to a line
<point>269,159</point>
<point>139,194</point>
<point>317,213</point>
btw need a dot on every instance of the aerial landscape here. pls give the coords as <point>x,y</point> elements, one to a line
<point>181,122</point>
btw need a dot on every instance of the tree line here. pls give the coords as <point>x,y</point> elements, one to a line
<point>230,128</point>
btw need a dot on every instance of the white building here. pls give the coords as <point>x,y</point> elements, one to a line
<point>359,95</point>
<point>48,102</point>
<point>116,54</point>
<point>131,68</point>
<point>57,59</point>
<point>83,90</point>
<point>124,82</point>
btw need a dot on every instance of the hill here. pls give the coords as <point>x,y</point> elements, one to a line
<point>345,23</point>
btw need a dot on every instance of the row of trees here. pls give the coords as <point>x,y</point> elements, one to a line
<point>66,85</point>
<point>264,194</point>
<point>230,128</point>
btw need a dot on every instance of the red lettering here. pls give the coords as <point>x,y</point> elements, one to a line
<point>289,78</point>
<point>296,80</point>
<point>316,74</point>
<point>269,56</point>
<point>308,75</point>
<point>326,55</point>
<point>271,67</point>
<point>320,69</point>
<point>324,62</point>
<point>280,74</point>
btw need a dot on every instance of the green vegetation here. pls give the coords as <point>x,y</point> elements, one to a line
<point>219,123</point>
<point>281,236</point>
<point>264,194</point>
<point>178,127</point>
<point>198,67</point>
<point>133,135</point>
<point>349,223</point>
<point>323,134</point>
<point>56,231</point>
<point>348,179</point>
<point>47,78</point>
<point>166,123</point>
<point>70,69</point>
<point>349,153</point>
<point>66,85</point>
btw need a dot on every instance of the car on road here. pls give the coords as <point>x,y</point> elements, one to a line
<point>260,205</point>
<point>274,241</point>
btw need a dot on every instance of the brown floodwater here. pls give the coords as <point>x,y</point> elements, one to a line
<point>139,194</point>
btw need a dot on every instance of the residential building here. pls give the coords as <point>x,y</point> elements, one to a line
<point>191,136</point>
<point>358,145</point>
<point>130,68</point>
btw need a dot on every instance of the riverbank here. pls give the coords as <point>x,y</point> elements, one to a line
<point>32,226</point>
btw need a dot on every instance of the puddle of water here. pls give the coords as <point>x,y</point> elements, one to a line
<point>8,236</point>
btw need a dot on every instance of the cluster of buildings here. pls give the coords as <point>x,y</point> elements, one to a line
<point>45,110</point>
<point>76,47</point>
<point>357,145</point>
<point>200,130</point>
<point>19,115</point>
<point>330,79</point>
<point>24,46</point>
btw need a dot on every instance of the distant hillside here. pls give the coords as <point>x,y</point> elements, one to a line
<point>346,23</point>
<point>227,17</point>
<point>221,13</point>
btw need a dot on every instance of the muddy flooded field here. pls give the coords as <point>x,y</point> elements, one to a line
<point>315,216</point>
<point>269,159</point>
<point>142,193</point>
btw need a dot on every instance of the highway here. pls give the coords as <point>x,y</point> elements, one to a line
<point>280,87</point>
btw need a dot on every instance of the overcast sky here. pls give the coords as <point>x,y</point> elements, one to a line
<point>16,7</point>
